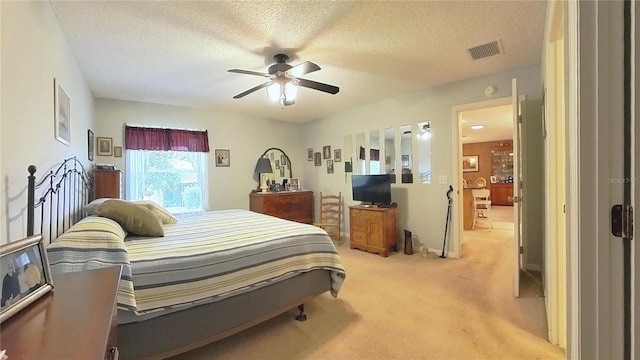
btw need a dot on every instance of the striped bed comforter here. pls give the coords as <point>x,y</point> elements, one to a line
<point>204,256</point>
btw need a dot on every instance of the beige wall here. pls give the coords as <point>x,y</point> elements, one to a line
<point>422,207</point>
<point>34,52</point>
<point>246,138</point>
<point>485,160</point>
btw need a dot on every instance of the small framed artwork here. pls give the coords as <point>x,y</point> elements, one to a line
<point>105,146</point>
<point>329,166</point>
<point>222,157</point>
<point>90,145</point>
<point>283,160</point>
<point>493,179</point>
<point>309,154</point>
<point>294,184</point>
<point>62,114</point>
<point>117,151</point>
<point>26,275</point>
<point>470,163</point>
<point>337,155</point>
<point>326,152</point>
<point>317,159</point>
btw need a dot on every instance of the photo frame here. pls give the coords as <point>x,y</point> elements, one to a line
<point>317,159</point>
<point>90,145</point>
<point>329,166</point>
<point>294,184</point>
<point>493,179</point>
<point>309,154</point>
<point>62,114</point>
<point>117,151</point>
<point>25,274</point>
<point>326,152</point>
<point>104,146</point>
<point>223,157</point>
<point>470,163</point>
<point>337,155</point>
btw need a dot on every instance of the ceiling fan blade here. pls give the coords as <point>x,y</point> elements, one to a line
<point>255,88</point>
<point>248,72</point>
<point>303,68</point>
<point>318,86</point>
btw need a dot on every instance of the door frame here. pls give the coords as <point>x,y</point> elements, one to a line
<point>458,219</point>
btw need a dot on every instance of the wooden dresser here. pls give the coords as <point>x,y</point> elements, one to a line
<point>373,229</point>
<point>290,205</point>
<point>76,320</point>
<point>108,184</point>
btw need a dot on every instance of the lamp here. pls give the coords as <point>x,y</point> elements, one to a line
<point>283,89</point>
<point>263,166</point>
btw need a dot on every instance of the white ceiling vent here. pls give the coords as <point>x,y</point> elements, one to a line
<point>485,50</point>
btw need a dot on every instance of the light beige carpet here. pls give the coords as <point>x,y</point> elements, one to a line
<point>409,307</point>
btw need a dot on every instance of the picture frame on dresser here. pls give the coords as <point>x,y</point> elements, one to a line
<point>26,276</point>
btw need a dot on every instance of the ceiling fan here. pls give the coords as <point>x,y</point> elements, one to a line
<point>284,80</point>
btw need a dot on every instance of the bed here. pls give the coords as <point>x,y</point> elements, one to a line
<point>211,275</point>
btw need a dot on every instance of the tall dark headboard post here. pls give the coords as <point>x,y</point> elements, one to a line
<point>31,188</point>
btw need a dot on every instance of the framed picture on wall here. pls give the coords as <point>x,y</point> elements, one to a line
<point>90,145</point>
<point>309,154</point>
<point>317,159</point>
<point>62,114</point>
<point>105,146</point>
<point>337,155</point>
<point>470,163</point>
<point>222,157</point>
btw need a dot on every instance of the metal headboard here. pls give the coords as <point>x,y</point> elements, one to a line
<point>64,191</point>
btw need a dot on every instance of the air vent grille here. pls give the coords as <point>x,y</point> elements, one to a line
<point>485,50</point>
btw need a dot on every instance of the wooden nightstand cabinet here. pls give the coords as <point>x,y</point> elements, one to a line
<point>76,320</point>
<point>108,184</point>
<point>373,229</point>
<point>290,205</point>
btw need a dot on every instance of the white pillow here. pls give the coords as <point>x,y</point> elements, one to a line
<point>165,216</point>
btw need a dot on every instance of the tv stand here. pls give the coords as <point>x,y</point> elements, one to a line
<point>373,228</point>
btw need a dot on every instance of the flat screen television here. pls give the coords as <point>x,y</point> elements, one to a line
<point>372,189</point>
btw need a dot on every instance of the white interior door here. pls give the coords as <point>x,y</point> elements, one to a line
<point>517,193</point>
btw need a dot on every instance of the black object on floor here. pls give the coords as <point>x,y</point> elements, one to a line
<point>446,225</point>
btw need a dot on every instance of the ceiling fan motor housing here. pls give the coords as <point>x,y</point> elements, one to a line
<point>280,65</point>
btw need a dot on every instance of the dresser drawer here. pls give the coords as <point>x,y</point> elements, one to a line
<point>367,214</point>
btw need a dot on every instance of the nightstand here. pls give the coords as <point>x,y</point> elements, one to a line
<point>76,320</point>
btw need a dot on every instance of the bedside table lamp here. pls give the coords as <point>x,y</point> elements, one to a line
<point>263,166</point>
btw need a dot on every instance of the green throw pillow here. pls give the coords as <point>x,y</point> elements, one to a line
<point>134,218</point>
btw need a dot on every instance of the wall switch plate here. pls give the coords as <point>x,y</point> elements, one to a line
<point>443,179</point>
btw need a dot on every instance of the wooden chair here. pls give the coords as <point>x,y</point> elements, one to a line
<point>331,216</point>
<point>481,207</point>
<point>482,182</point>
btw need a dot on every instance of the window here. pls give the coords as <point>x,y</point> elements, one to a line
<point>167,166</point>
<point>174,179</point>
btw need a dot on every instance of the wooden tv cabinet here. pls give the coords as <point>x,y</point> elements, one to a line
<point>76,320</point>
<point>290,205</point>
<point>373,229</point>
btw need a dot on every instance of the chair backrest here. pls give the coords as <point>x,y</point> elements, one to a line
<point>480,181</point>
<point>464,182</point>
<point>480,194</point>
<point>330,208</point>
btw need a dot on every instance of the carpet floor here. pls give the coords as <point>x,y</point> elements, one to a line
<point>410,307</point>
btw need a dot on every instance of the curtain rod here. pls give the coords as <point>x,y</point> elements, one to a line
<point>164,127</point>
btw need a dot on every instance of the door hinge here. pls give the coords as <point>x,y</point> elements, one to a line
<point>521,250</point>
<point>520,119</point>
<point>622,221</point>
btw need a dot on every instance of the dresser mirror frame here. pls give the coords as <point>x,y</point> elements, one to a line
<point>279,174</point>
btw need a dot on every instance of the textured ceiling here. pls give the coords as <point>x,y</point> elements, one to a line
<point>178,53</point>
